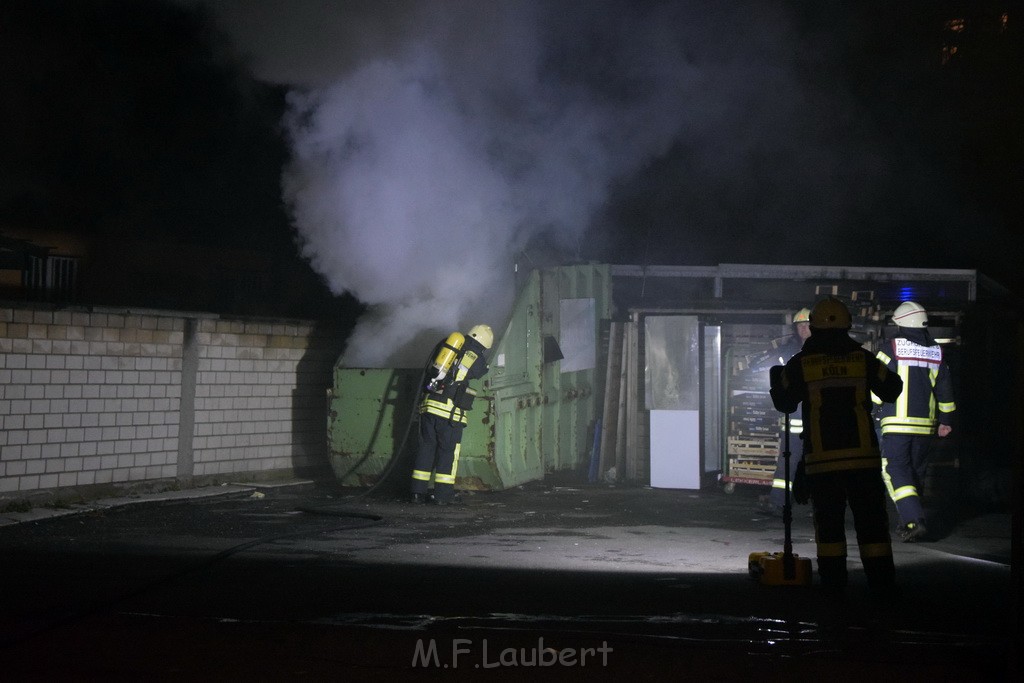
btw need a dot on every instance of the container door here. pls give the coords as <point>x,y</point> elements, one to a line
<point>672,394</point>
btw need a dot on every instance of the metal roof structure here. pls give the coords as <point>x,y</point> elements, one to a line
<point>764,288</point>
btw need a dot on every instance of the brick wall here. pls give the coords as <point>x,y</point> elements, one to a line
<point>98,397</point>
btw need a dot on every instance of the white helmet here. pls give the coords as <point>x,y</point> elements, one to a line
<point>910,314</point>
<point>802,316</point>
<point>483,334</point>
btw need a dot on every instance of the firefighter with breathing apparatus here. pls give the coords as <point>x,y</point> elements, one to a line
<point>446,400</point>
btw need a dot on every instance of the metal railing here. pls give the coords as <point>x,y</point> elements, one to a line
<point>52,278</point>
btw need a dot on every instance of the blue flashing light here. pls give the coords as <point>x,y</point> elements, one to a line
<point>907,293</point>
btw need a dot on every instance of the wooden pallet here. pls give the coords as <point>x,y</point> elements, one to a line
<point>761,464</point>
<point>736,445</point>
<point>747,473</point>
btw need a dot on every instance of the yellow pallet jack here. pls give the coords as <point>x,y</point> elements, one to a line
<point>785,568</point>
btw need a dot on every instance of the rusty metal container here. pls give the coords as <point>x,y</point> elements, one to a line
<point>534,412</point>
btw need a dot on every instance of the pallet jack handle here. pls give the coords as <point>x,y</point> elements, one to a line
<point>788,562</point>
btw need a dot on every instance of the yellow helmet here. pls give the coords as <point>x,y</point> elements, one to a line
<point>483,334</point>
<point>910,314</point>
<point>802,316</point>
<point>831,314</point>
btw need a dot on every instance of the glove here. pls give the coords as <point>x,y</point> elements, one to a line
<point>801,494</point>
<point>782,402</point>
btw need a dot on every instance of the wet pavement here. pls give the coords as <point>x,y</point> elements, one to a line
<point>302,581</point>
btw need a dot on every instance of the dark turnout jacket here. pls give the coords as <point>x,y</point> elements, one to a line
<point>833,378</point>
<point>927,398</point>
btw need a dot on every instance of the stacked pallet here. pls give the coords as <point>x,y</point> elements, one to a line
<point>754,436</point>
<point>752,443</point>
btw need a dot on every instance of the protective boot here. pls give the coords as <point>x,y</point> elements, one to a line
<point>914,531</point>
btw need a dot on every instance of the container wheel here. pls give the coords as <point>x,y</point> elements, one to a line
<point>730,487</point>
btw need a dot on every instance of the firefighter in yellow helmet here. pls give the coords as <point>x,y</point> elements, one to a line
<point>801,332</point>
<point>831,380</point>
<point>446,401</point>
<point>925,409</point>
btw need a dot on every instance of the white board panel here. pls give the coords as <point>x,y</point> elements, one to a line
<point>675,449</point>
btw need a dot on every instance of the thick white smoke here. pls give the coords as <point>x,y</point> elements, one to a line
<point>395,202</point>
<point>419,174</point>
<point>449,135</point>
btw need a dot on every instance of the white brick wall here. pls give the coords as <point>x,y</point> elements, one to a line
<point>95,397</point>
<point>246,389</point>
<point>77,385</point>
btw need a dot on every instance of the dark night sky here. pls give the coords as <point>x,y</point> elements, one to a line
<point>793,132</point>
<point>133,118</point>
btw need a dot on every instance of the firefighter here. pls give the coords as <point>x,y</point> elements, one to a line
<point>446,400</point>
<point>785,351</point>
<point>926,408</point>
<point>832,379</point>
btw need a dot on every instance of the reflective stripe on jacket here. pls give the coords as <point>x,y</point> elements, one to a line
<point>471,366</point>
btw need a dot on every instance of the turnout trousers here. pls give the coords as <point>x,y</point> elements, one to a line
<point>905,461</point>
<point>438,452</point>
<point>864,491</point>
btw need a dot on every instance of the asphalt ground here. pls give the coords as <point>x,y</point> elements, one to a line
<point>571,581</point>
